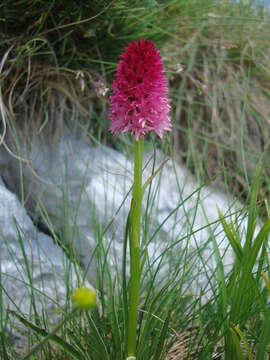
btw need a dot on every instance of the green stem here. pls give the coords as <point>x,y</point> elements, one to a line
<point>134,244</point>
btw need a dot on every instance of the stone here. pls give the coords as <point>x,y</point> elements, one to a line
<point>31,264</point>
<point>84,192</point>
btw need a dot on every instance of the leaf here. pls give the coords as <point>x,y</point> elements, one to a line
<point>250,257</point>
<point>267,282</point>
<point>124,278</point>
<point>100,347</point>
<point>58,341</point>
<point>242,337</point>
<point>252,214</point>
<point>253,254</point>
<point>151,178</point>
<point>28,272</point>
<point>222,282</point>
<point>237,351</point>
<point>234,240</point>
<point>267,208</point>
<point>162,338</point>
<point>116,330</point>
<point>264,338</point>
<point>143,261</point>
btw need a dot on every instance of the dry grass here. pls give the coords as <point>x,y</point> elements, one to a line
<point>218,64</point>
<point>37,99</point>
<point>217,61</point>
<point>221,101</point>
<point>184,347</point>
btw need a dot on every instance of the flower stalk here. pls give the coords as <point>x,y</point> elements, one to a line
<point>139,105</point>
<point>134,245</point>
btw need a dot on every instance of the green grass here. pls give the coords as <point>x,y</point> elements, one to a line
<point>228,314</point>
<point>58,60</point>
<point>52,59</point>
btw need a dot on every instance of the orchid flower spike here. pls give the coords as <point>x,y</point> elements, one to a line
<point>140,101</point>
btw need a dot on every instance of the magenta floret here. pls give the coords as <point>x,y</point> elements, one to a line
<point>140,101</point>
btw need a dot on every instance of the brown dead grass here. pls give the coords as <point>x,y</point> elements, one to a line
<point>219,72</point>
<point>221,102</point>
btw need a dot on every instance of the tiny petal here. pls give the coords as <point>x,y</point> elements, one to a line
<point>140,101</point>
<point>84,298</point>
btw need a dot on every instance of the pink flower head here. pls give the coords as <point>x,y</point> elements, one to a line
<point>140,101</point>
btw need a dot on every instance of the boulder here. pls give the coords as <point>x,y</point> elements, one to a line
<point>36,275</point>
<point>84,191</point>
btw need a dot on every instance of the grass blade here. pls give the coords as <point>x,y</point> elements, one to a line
<point>237,346</point>
<point>264,338</point>
<point>116,331</point>
<point>234,241</point>
<point>100,347</point>
<point>124,278</point>
<point>250,257</point>
<point>267,282</point>
<point>49,336</point>
<point>244,340</point>
<point>252,214</point>
<point>160,347</point>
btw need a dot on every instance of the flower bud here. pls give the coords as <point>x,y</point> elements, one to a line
<point>84,298</point>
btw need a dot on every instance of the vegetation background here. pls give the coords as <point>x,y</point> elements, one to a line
<point>58,60</point>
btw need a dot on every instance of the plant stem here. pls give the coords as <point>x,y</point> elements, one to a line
<point>134,244</point>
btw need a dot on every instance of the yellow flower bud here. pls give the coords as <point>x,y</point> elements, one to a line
<point>84,298</point>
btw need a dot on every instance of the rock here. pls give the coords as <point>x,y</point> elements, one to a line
<point>83,188</point>
<point>47,274</point>
<point>45,187</point>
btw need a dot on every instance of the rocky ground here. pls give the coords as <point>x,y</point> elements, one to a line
<point>79,188</point>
